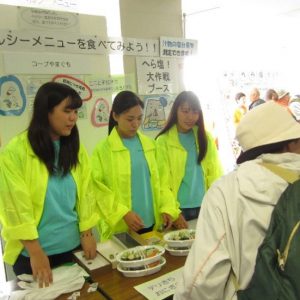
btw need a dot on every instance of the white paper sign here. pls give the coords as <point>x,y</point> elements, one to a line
<point>38,63</point>
<point>156,75</point>
<point>161,287</point>
<point>34,18</point>
<point>177,47</point>
<point>41,41</point>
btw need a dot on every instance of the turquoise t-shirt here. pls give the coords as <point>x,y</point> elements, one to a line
<point>141,193</point>
<point>191,189</point>
<point>58,228</point>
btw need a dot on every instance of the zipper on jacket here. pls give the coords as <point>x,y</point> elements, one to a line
<point>282,257</point>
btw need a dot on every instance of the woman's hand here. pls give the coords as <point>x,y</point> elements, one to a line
<point>88,244</point>
<point>180,223</point>
<point>167,221</point>
<point>39,262</point>
<point>133,221</point>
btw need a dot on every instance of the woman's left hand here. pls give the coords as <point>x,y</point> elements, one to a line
<point>167,221</point>
<point>88,244</point>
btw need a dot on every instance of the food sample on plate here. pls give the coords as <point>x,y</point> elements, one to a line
<point>140,255</point>
<point>142,271</point>
<point>182,235</point>
<point>180,238</point>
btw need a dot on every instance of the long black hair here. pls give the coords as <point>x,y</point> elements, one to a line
<point>122,102</point>
<point>47,97</point>
<point>190,98</point>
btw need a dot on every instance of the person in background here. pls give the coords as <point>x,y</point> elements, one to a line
<point>190,155</point>
<point>271,95</point>
<point>237,209</point>
<point>46,208</point>
<point>294,106</point>
<point>130,193</point>
<point>241,109</point>
<point>283,97</point>
<point>254,98</point>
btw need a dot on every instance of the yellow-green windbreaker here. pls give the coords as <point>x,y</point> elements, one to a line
<point>172,156</point>
<point>23,184</point>
<point>111,173</point>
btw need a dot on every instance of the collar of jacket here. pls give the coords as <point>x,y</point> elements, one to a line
<point>174,137</point>
<point>116,143</point>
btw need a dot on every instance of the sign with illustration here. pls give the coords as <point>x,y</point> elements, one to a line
<point>156,111</point>
<point>33,83</point>
<point>100,113</point>
<point>82,112</point>
<point>78,85</point>
<point>12,96</point>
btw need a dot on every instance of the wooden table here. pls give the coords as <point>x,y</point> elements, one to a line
<point>114,284</point>
<point>120,287</point>
<point>84,295</point>
<point>10,286</point>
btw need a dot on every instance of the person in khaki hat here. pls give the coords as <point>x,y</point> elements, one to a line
<point>236,210</point>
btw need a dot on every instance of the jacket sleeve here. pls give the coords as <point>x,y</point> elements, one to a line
<point>168,203</point>
<point>211,163</point>
<point>208,264</point>
<point>86,205</point>
<point>16,207</point>
<point>110,209</point>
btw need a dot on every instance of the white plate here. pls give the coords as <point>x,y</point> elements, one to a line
<point>173,238</point>
<point>178,252</point>
<point>143,272</point>
<point>137,256</point>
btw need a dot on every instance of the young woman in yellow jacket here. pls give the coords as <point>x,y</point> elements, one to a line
<point>46,208</point>
<point>130,193</point>
<point>190,155</point>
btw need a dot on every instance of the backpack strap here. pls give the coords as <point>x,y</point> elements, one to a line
<point>287,175</point>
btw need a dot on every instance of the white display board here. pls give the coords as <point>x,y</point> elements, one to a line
<point>157,75</point>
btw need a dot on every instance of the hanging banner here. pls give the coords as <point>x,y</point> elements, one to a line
<point>177,47</point>
<point>157,75</point>
<point>34,63</point>
<point>41,41</point>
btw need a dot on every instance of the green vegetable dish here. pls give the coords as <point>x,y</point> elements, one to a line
<point>183,236</point>
<point>137,254</point>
